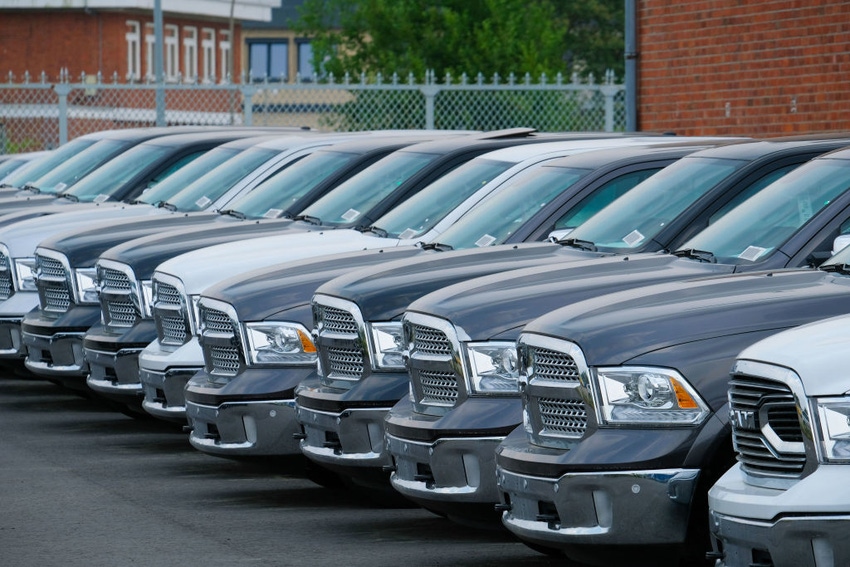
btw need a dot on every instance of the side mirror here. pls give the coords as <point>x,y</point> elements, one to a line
<point>840,242</point>
<point>560,233</point>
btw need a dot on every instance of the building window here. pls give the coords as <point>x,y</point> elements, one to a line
<point>190,53</point>
<point>305,60</point>
<point>150,39</point>
<point>224,47</point>
<point>172,54</point>
<point>208,47</point>
<point>134,50</point>
<point>268,59</point>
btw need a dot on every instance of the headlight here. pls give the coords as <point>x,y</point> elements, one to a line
<point>387,345</point>
<point>493,367</point>
<point>86,281</point>
<point>279,343</point>
<point>834,417</point>
<point>647,396</point>
<point>25,274</point>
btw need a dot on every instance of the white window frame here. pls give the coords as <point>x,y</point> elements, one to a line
<point>208,48</point>
<point>134,50</point>
<point>190,54</point>
<point>172,52</point>
<point>224,47</point>
<point>150,40</point>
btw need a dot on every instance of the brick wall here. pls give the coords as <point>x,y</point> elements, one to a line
<point>744,67</point>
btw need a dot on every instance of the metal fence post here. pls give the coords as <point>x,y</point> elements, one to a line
<point>62,91</point>
<point>248,92</point>
<point>609,92</point>
<point>429,92</point>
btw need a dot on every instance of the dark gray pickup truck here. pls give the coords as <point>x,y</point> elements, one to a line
<point>343,408</point>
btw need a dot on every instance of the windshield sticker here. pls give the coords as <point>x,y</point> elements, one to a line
<point>350,215</point>
<point>485,240</point>
<point>58,187</point>
<point>633,238</point>
<point>408,234</point>
<point>752,253</point>
<point>203,202</point>
<point>804,207</point>
<point>101,198</point>
<point>273,213</point>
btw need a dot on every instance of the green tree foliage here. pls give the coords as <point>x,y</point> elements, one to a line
<point>465,36</point>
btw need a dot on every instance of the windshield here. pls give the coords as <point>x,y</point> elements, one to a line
<point>633,221</point>
<point>111,177</point>
<point>212,185</point>
<point>347,203</point>
<point>275,196</point>
<point>497,218</point>
<point>185,176</point>
<point>10,165</point>
<point>32,171</point>
<point>425,209</point>
<point>762,223</point>
<point>71,171</point>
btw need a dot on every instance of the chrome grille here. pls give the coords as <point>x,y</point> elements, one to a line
<point>50,267</point>
<point>173,329</point>
<point>216,321</point>
<point>120,313</point>
<point>553,365</point>
<point>114,280</point>
<point>438,388</point>
<point>758,403</point>
<point>428,340</point>
<point>6,288</point>
<point>564,418</point>
<point>167,294</point>
<point>337,320</point>
<point>224,360</point>
<point>345,362</point>
<point>56,297</point>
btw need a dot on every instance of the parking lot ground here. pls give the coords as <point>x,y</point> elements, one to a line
<point>81,484</point>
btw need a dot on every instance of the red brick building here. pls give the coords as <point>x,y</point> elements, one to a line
<point>746,67</point>
<point>117,37</point>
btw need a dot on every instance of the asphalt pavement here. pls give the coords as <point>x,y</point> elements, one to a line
<point>84,485</point>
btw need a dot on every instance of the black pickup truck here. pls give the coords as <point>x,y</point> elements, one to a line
<point>339,405</point>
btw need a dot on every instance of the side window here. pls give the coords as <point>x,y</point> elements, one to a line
<point>600,198</point>
<point>757,186</point>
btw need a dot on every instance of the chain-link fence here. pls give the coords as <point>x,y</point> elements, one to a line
<point>36,113</point>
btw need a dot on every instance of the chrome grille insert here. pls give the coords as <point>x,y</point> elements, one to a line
<point>345,362</point>
<point>6,288</point>
<point>224,360</point>
<point>167,294</point>
<point>216,321</point>
<point>553,365</point>
<point>565,418</point>
<point>438,388</point>
<point>114,279</point>
<point>50,267</point>
<point>337,320</point>
<point>428,340</point>
<point>120,313</point>
<point>57,297</point>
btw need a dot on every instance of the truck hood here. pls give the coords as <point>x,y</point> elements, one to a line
<point>813,351</point>
<point>498,306</point>
<point>204,267</point>
<point>384,293</point>
<point>614,328</point>
<point>260,294</point>
<point>83,245</point>
<point>22,237</point>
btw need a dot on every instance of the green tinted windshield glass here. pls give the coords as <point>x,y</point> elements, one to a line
<point>346,204</point>
<point>10,165</point>
<point>635,219</point>
<point>212,185</point>
<point>497,218</point>
<point>71,171</point>
<point>425,209</point>
<point>113,176</point>
<point>39,167</point>
<point>185,176</point>
<point>757,227</point>
<point>275,196</point>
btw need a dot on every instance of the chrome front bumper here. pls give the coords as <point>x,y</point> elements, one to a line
<point>351,438</point>
<point>114,374</point>
<point>163,392</point>
<point>599,508</point>
<point>244,429</point>
<point>58,355</point>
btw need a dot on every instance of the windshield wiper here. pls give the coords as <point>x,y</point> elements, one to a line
<point>32,188</point>
<point>167,205</point>
<point>836,268</point>
<point>70,197</point>
<point>578,243</point>
<point>308,218</point>
<point>694,254</point>
<point>439,246</point>
<point>233,213</point>
<point>375,230</point>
